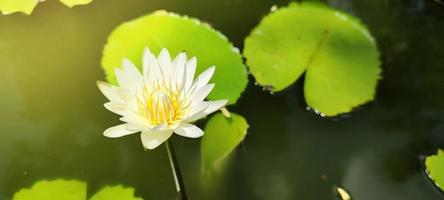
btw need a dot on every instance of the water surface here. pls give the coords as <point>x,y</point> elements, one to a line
<point>52,116</point>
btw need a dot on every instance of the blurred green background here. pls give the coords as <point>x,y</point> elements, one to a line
<point>52,118</point>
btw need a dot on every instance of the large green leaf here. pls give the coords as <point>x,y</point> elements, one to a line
<point>222,135</point>
<point>115,193</point>
<point>71,3</point>
<point>12,6</point>
<point>336,51</point>
<point>435,168</point>
<point>178,33</point>
<point>27,6</point>
<point>54,190</point>
<point>72,190</point>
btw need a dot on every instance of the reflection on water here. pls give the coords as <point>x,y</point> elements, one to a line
<point>52,119</point>
<point>366,177</point>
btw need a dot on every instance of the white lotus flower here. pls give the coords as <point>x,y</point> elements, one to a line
<point>162,100</point>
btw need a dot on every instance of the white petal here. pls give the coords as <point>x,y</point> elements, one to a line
<point>180,59</point>
<point>197,108</point>
<point>211,107</point>
<point>165,63</point>
<point>155,71</point>
<point>120,76</point>
<point>118,108</point>
<point>200,94</point>
<point>125,94</point>
<point>118,131</point>
<point>164,58</point>
<point>109,91</point>
<point>189,130</point>
<point>204,77</point>
<point>137,127</point>
<point>151,127</point>
<point>215,105</point>
<point>130,69</point>
<point>133,118</point>
<point>153,139</point>
<point>179,69</point>
<point>146,60</point>
<point>189,74</point>
<point>129,76</point>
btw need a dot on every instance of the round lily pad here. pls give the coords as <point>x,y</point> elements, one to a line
<point>72,190</point>
<point>337,53</point>
<point>177,33</point>
<point>71,3</point>
<point>27,6</point>
<point>54,190</point>
<point>222,135</point>
<point>117,192</point>
<point>435,168</point>
<point>12,6</point>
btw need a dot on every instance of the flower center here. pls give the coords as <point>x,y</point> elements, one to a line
<point>162,105</point>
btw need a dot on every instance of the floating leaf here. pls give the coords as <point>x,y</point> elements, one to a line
<point>222,135</point>
<point>27,6</point>
<point>54,190</point>
<point>178,33</point>
<point>72,190</point>
<point>71,3</point>
<point>337,53</point>
<point>435,168</point>
<point>115,193</point>
<point>11,6</point>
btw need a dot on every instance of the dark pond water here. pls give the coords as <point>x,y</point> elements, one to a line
<point>52,119</point>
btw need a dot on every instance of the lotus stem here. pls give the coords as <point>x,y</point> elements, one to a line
<point>180,187</point>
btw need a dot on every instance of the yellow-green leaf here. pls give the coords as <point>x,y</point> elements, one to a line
<point>117,192</point>
<point>61,189</point>
<point>12,6</point>
<point>27,6</point>
<point>71,3</point>
<point>54,190</point>
<point>222,135</point>
<point>435,168</point>
<point>337,53</point>
<point>179,33</point>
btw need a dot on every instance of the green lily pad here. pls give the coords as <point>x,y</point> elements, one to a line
<point>115,193</point>
<point>176,33</point>
<point>27,6</point>
<point>337,53</point>
<point>222,135</point>
<point>435,168</point>
<point>72,190</point>
<point>71,3</point>
<point>54,190</point>
<point>11,6</point>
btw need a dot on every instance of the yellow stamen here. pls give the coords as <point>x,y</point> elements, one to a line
<point>162,105</point>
